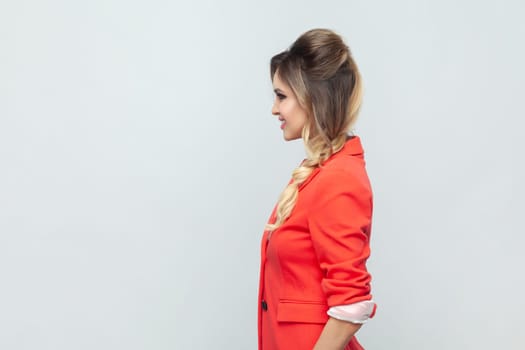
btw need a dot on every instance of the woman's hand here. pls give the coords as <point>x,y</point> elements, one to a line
<point>336,334</point>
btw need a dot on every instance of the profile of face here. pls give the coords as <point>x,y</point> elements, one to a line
<point>286,106</point>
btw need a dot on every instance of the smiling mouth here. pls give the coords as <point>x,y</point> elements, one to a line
<point>282,124</point>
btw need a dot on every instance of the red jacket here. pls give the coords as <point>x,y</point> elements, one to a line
<point>316,258</point>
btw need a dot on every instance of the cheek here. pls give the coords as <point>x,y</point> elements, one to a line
<point>284,109</point>
<point>294,114</point>
<point>299,116</point>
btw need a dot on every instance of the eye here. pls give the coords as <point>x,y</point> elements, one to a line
<point>280,96</point>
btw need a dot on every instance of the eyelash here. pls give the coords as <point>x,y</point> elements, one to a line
<point>281,96</point>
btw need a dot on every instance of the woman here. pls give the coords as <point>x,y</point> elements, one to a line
<point>314,290</point>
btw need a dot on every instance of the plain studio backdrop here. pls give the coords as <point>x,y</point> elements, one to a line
<point>139,162</point>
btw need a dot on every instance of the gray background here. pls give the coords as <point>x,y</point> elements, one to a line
<point>139,162</point>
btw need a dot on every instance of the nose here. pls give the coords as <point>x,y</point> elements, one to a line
<point>275,108</point>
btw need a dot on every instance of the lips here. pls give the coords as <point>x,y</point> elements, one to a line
<point>283,123</point>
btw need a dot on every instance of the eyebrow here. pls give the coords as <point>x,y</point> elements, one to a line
<point>278,91</point>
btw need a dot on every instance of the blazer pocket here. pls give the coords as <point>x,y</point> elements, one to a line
<point>302,311</point>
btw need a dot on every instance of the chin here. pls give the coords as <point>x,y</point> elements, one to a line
<point>290,138</point>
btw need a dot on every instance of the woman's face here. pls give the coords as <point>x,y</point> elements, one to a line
<point>291,114</point>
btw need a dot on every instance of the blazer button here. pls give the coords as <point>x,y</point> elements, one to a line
<point>264,305</point>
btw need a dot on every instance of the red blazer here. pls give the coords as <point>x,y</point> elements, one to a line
<point>316,259</point>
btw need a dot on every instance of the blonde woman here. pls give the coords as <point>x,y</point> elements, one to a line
<point>314,290</point>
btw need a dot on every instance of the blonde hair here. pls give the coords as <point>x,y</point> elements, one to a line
<point>321,72</point>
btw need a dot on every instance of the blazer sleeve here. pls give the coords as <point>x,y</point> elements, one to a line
<point>340,225</point>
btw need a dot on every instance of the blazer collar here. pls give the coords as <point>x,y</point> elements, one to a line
<point>352,147</point>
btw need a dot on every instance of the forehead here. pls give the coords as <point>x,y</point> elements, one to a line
<point>278,83</point>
